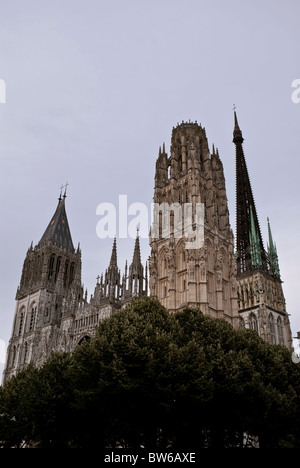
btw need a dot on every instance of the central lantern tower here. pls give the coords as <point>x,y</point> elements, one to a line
<point>184,273</point>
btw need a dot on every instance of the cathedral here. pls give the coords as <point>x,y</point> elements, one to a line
<point>236,280</point>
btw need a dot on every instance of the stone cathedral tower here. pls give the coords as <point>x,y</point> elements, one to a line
<point>53,312</point>
<point>180,276</point>
<point>261,301</point>
<point>49,291</point>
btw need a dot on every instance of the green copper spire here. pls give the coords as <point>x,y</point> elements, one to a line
<point>255,250</point>
<point>272,255</point>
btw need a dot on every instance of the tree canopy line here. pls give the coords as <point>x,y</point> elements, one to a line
<point>157,381</point>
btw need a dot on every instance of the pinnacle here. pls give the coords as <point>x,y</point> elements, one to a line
<point>237,133</point>
<point>113,259</point>
<point>137,251</point>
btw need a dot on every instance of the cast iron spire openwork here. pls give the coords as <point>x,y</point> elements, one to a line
<point>250,250</point>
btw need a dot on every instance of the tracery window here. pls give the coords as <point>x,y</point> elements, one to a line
<point>66,273</point>
<point>72,271</point>
<point>32,318</point>
<point>57,267</point>
<point>272,329</point>
<point>253,325</point>
<point>51,266</point>
<point>25,352</point>
<point>21,323</point>
<point>280,331</point>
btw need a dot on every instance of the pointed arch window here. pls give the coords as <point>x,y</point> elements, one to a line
<point>21,323</point>
<point>57,267</point>
<point>51,267</point>
<point>72,272</point>
<point>25,352</point>
<point>280,331</point>
<point>32,318</point>
<point>164,265</point>
<point>66,273</point>
<point>272,329</point>
<point>180,163</point>
<point>253,325</point>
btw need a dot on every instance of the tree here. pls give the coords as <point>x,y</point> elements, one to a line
<point>36,406</point>
<point>188,380</point>
<point>159,381</point>
<point>15,409</point>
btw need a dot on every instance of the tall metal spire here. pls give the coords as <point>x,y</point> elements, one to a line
<point>250,249</point>
<point>255,250</point>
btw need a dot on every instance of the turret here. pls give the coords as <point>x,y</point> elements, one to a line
<point>162,166</point>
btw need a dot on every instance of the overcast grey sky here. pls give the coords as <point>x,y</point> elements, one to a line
<point>93,88</point>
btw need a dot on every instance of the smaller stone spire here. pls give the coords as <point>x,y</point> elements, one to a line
<point>136,261</point>
<point>136,271</point>
<point>272,255</point>
<point>112,276</point>
<point>113,258</point>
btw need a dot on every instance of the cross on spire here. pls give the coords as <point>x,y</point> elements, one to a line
<point>66,186</point>
<point>61,189</point>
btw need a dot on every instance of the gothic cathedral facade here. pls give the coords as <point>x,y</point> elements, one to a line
<point>193,262</point>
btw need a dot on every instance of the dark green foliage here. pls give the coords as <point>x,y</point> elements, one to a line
<point>154,380</point>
